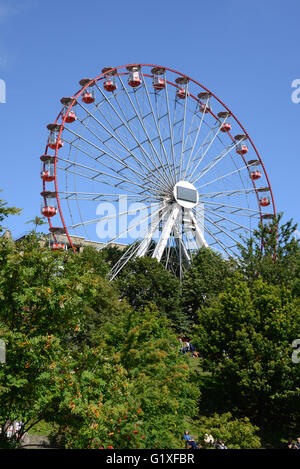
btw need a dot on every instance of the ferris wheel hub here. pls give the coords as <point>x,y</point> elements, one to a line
<point>185,194</point>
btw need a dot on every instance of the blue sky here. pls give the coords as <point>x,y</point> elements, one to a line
<point>246,52</point>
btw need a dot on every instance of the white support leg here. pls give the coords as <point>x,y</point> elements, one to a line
<point>162,242</point>
<point>147,240</point>
<point>184,250</point>
<point>199,237</point>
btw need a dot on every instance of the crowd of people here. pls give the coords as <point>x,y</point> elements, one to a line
<point>292,445</point>
<point>14,430</point>
<point>208,442</point>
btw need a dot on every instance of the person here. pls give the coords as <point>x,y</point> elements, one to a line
<point>193,443</point>
<point>291,444</point>
<point>298,442</point>
<point>187,436</point>
<point>208,439</point>
<point>221,445</point>
<point>9,431</point>
<point>190,442</point>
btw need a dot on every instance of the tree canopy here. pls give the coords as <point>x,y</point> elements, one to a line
<point>101,362</point>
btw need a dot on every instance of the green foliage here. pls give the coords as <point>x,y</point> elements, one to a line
<point>112,254</point>
<point>146,281</point>
<point>37,221</point>
<point>235,433</point>
<point>99,361</point>
<point>28,389</point>
<point>245,341</point>
<point>6,211</point>
<point>279,260</point>
<point>132,390</point>
<point>148,351</point>
<point>204,281</point>
<point>51,304</point>
<point>81,359</point>
<point>51,290</point>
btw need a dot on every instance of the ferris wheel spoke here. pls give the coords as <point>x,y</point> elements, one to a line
<point>127,126</point>
<point>102,173</point>
<point>132,227</point>
<point>196,138</point>
<point>220,204</point>
<point>209,146</point>
<point>130,190</point>
<point>224,176</point>
<point>153,149</point>
<point>229,220</point>
<point>90,156</point>
<point>227,193</point>
<point>220,243</point>
<point>104,152</point>
<point>138,249</point>
<point>97,197</point>
<point>114,156</point>
<point>122,161</point>
<point>126,257</point>
<point>170,126</point>
<point>168,166</point>
<point>183,130</point>
<point>206,142</point>
<point>216,160</point>
<point>222,229</point>
<point>109,217</point>
<point>144,129</point>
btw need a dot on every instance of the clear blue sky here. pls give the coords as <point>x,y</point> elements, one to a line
<point>247,52</point>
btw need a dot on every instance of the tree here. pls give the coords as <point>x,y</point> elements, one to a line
<point>235,433</point>
<point>205,279</point>
<point>80,358</point>
<point>28,380</point>
<point>245,340</point>
<point>279,260</point>
<point>6,211</point>
<point>145,281</point>
<point>37,221</point>
<point>50,303</point>
<point>147,349</point>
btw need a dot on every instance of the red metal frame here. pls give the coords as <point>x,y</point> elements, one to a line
<point>101,76</point>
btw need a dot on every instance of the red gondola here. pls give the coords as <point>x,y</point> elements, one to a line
<point>88,96</point>
<point>109,83</point>
<point>53,140</point>
<point>264,202</point>
<point>134,76</point>
<point>49,211</point>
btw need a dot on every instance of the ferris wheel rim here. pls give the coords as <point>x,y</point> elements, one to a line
<point>73,101</point>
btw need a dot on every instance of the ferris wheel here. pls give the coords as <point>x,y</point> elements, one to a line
<point>148,159</point>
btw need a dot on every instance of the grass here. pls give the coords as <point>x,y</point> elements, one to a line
<point>194,364</point>
<point>42,429</point>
